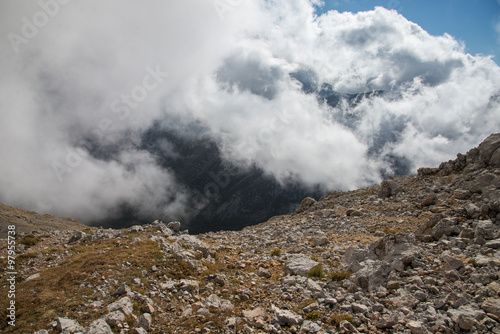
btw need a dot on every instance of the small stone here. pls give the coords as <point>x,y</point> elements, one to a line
<point>255,313</point>
<point>467,233</point>
<point>263,272</point>
<point>320,241</point>
<point>310,327</point>
<point>305,204</point>
<point>99,326</point>
<point>347,327</point>
<point>202,311</point>
<point>115,318</point>
<point>429,200</point>
<point>386,189</point>
<point>124,305</point>
<point>466,322</point>
<point>299,264</point>
<point>416,327</point>
<point>495,244</point>
<point>353,213</point>
<point>147,308</point>
<point>492,305</point>
<point>145,321</point>
<point>140,330</point>
<point>311,308</point>
<point>174,226</point>
<point>32,277</point>
<point>68,325</point>
<point>77,236</point>
<point>359,308</point>
<point>393,285</point>
<point>187,312</point>
<point>388,321</point>
<point>285,317</point>
<point>485,229</point>
<point>122,290</point>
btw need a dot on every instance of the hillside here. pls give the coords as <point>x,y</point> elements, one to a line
<point>415,254</point>
<point>28,221</point>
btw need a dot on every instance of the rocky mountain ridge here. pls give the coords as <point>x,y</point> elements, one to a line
<point>415,254</point>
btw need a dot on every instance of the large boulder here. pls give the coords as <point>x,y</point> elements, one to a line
<point>285,317</point>
<point>355,256</point>
<point>397,249</point>
<point>373,274</point>
<point>305,204</point>
<point>299,264</point>
<point>386,189</point>
<point>123,305</point>
<point>489,150</point>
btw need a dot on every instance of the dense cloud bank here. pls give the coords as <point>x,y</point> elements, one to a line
<point>338,100</point>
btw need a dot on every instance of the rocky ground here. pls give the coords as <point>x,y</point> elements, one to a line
<point>416,254</point>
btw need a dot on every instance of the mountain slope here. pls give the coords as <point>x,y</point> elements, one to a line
<point>415,254</point>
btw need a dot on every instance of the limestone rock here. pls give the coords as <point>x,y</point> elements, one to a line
<point>285,317</point>
<point>123,305</point>
<point>492,305</point>
<point>488,149</point>
<point>99,326</point>
<point>386,189</point>
<point>115,318</point>
<point>145,321</point>
<point>174,226</point>
<point>299,264</point>
<point>305,204</point>
<point>67,326</point>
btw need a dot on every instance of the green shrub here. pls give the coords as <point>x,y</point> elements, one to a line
<point>29,240</point>
<point>313,316</point>
<point>316,271</point>
<point>276,252</point>
<point>337,318</point>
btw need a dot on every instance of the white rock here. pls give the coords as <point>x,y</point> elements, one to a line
<point>145,321</point>
<point>124,305</point>
<point>309,327</point>
<point>115,318</point>
<point>68,326</point>
<point>99,326</point>
<point>285,317</point>
<point>299,264</point>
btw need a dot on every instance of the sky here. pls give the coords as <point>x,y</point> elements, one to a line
<point>76,75</point>
<point>474,22</point>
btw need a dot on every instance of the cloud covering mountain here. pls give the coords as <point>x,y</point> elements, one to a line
<point>80,89</point>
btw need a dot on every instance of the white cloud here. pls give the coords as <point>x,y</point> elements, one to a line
<point>233,76</point>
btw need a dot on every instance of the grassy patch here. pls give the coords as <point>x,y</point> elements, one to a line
<point>276,252</point>
<point>340,276</point>
<point>64,290</point>
<point>313,316</point>
<point>29,240</point>
<point>337,318</point>
<point>316,271</point>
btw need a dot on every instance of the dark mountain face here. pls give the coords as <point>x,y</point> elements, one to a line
<point>223,196</point>
<point>226,197</point>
